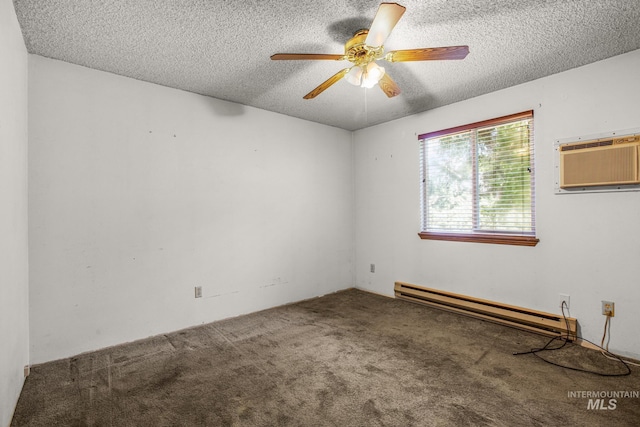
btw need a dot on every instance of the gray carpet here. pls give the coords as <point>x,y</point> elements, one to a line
<point>347,359</point>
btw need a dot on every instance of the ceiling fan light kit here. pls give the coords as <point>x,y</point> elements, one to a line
<point>366,47</point>
<point>366,76</point>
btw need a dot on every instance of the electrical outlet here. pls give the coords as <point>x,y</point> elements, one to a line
<point>566,298</point>
<point>608,308</point>
<point>198,291</point>
<point>373,268</point>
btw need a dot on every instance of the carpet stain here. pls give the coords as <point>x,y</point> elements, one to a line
<point>463,416</point>
<point>371,368</point>
<point>496,372</point>
<point>482,356</point>
<point>370,411</point>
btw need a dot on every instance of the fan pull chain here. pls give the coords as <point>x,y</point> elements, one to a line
<point>366,110</point>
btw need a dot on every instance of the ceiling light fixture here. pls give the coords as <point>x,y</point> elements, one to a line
<point>365,75</point>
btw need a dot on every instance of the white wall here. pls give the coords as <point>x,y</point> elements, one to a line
<point>138,193</point>
<point>14,287</point>
<point>589,245</point>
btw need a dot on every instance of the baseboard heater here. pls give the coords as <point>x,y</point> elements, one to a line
<point>522,318</point>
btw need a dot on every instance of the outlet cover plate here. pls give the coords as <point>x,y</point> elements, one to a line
<point>608,308</point>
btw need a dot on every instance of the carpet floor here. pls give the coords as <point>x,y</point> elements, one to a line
<point>346,359</point>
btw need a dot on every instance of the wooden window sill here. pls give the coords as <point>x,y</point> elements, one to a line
<point>498,239</point>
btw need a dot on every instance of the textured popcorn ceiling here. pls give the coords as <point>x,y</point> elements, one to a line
<point>221,48</point>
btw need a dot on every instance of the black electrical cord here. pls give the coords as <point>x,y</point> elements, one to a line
<point>535,352</point>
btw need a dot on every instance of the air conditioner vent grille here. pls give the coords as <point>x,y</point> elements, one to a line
<point>591,144</point>
<point>600,163</point>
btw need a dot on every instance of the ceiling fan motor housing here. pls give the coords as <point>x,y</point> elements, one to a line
<point>358,52</point>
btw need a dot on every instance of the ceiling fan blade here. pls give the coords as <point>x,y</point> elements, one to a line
<point>386,18</point>
<point>304,56</point>
<point>331,80</point>
<point>388,86</point>
<point>428,54</point>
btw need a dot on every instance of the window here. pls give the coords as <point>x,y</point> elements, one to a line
<point>478,182</point>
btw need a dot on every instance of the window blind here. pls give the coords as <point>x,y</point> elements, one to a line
<point>479,178</point>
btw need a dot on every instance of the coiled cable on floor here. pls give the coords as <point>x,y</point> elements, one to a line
<point>565,340</point>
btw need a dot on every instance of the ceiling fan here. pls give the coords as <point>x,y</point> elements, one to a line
<point>366,47</point>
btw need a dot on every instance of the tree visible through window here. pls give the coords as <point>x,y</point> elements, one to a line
<point>478,182</point>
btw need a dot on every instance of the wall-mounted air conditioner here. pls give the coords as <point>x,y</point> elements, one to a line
<point>599,164</point>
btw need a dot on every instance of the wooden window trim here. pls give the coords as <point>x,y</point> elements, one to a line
<point>499,239</point>
<point>501,120</point>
